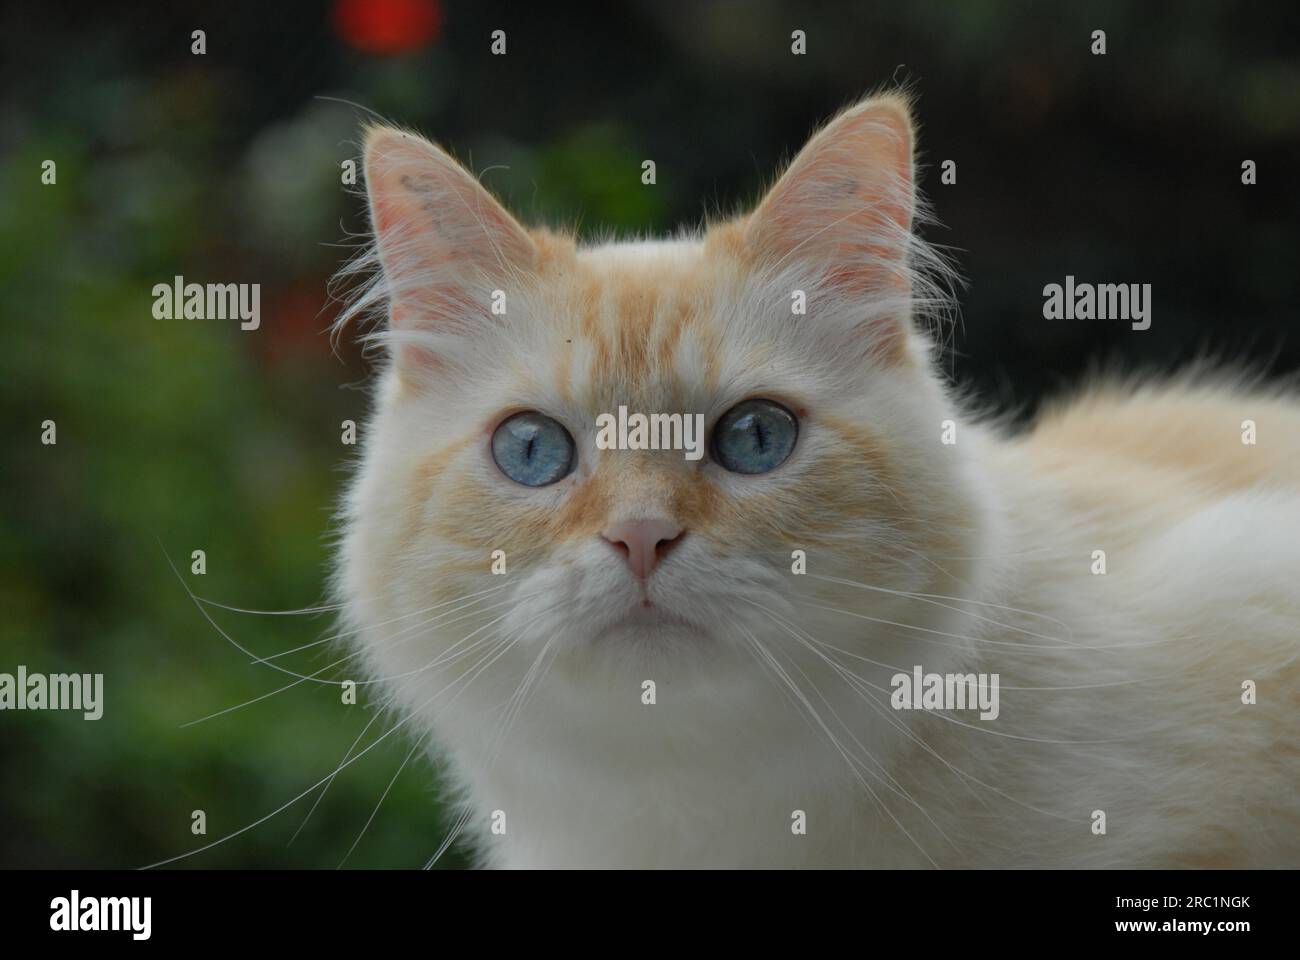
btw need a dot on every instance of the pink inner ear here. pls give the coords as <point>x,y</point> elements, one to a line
<point>387,217</point>
<point>866,267</point>
<point>424,269</point>
<point>442,306</point>
<point>844,206</point>
<point>411,357</point>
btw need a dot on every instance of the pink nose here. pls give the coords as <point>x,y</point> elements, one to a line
<point>643,542</point>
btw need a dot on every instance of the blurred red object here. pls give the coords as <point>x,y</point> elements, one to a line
<point>388,26</point>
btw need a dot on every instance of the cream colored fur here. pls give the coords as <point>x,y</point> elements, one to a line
<point>1120,692</point>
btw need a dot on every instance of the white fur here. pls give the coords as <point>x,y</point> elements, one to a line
<point>1119,692</point>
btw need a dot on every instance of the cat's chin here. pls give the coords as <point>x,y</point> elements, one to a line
<point>651,623</point>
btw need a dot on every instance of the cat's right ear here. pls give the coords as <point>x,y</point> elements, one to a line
<point>444,244</point>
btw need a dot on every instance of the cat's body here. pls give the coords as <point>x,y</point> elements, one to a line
<point>771,739</point>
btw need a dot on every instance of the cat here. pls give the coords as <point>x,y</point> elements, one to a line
<point>626,658</point>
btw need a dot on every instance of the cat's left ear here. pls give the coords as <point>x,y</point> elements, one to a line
<point>843,210</point>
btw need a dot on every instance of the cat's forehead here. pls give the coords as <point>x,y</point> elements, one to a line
<point>638,318</point>
<point>638,254</point>
<point>629,280</point>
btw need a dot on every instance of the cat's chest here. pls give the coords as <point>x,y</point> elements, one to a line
<point>645,811</point>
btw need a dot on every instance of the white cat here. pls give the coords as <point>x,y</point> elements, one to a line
<point>630,658</point>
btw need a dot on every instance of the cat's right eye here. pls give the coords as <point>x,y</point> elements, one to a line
<point>532,449</point>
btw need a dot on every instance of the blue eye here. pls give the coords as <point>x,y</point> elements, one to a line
<point>533,449</point>
<point>754,436</point>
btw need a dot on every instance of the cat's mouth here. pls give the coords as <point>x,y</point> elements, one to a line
<point>646,614</point>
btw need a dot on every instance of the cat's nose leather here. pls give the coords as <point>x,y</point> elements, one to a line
<point>642,542</point>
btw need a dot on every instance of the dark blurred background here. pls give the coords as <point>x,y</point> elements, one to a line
<point>225,167</point>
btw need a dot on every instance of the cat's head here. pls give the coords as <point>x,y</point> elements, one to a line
<point>485,507</point>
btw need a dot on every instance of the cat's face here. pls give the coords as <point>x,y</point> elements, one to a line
<point>786,334</point>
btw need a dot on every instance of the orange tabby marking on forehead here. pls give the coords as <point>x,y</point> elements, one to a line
<point>629,314</point>
<point>677,318</point>
<point>588,295</point>
<point>564,371</point>
<point>652,310</point>
<point>635,305</point>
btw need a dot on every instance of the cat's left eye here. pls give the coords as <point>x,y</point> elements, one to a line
<point>754,436</point>
<point>532,449</point>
